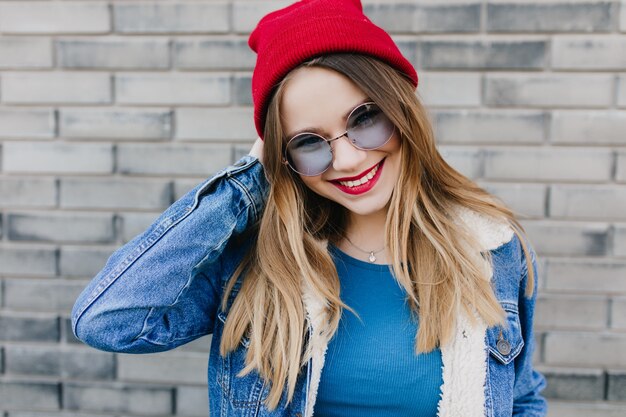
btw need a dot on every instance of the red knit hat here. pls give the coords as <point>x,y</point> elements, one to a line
<point>287,37</point>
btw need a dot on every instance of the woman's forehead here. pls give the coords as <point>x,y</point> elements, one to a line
<point>318,97</point>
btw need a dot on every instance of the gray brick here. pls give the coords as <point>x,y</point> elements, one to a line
<point>27,192</point>
<point>621,89</point>
<point>408,48</point>
<point>25,52</point>
<point>173,88</point>
<point>215,124</point>
<point>202,344</point>
<point>620,172</point>
<point>54,17</point>
<point>574,383</point>
<point>619,240</point>
<point>113,53</point>
<point>458,54</point>
<point>80,261</point>
<point>578,409</point>
<point>58,157</point>
<point>68,334</point>
<point>41,295</point>
<point>241,149</point>
<point>568,238</point>
<point>110,193</point>
<point>28,261</point>
<point>30,395</point>
<point>118,398</point>
<point>182,186</point>
<point>466,160</point>
<point>450,89</point>
<point>167,367</point>
<point>49,414</point>
<point>524,199</point>
<point>181,17</point>
<point>617,386</point>
<point>172,159</point>
<point>61,227</point>
<point>26,123</point>
<point>59,361</point>
<point>191,401</point>
<point>549,16</point>
<point>585,349</point>
<point>135,223</point>
<point>28,329</point>
<point>570,312</point>
<point>549,90</point>
<point>618,313</point>
<point>406,16</point>
<point>213,54</point>
<point>589,127</point>
<point>490,126</point>
<point>602,53</point>
<point>115,123</point>
<point>622,18</point>
<point>601,202</point>
<point>242,90</point>
<point>559,164</point>
<point>588,276</point>
<point>56,87</point>
<point>246,14</point>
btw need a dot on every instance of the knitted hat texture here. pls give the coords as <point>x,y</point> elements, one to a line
<point>285,38</point>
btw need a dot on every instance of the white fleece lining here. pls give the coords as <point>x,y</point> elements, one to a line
<point>317,344</point>
<point>464,358</point>
<point>464,371</point>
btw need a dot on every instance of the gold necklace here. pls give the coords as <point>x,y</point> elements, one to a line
<point>371,253</point>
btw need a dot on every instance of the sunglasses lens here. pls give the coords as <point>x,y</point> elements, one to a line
<point>309,154</point>
<point>369,127</point>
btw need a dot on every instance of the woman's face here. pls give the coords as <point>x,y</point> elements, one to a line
<point>319,100</point>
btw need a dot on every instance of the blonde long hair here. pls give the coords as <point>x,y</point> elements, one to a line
<point>433,256</point>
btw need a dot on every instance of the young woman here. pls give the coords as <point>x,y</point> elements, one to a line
<point>353,272</point>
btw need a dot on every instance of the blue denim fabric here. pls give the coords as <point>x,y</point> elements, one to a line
<point>163,289</point>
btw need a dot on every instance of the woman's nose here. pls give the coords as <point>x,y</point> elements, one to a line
<point>346,157</point>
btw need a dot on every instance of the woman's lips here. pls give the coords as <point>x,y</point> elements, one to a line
<point>354,187</point>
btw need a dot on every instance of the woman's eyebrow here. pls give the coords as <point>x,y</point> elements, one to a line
<point>321,132</point>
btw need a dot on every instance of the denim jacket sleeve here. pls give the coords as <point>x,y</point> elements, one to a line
<point>527,400</point>
<point>163,288</point>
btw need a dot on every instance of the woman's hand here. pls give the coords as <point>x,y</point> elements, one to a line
<point>257,149</point>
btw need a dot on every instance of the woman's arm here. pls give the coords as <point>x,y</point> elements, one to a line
<point>163,288</point>
<point>527,400</point>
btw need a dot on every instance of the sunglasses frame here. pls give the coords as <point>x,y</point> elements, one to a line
<point>329,141</point>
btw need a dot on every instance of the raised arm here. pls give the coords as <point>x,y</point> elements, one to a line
<point>162,289</point>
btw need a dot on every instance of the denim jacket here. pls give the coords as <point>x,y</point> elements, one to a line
<point>163,289</point>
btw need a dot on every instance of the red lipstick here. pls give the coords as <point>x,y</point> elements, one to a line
<point>362,188</point>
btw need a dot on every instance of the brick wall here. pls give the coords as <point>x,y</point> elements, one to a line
<point>111,110</point>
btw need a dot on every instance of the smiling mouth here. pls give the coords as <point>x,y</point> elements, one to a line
<point>362,178</point>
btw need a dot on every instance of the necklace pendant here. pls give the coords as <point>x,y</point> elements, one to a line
<point>372,258</point>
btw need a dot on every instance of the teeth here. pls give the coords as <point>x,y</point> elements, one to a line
<point>361,181</point>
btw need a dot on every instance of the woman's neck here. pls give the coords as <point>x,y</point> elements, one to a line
<point>365,237</point>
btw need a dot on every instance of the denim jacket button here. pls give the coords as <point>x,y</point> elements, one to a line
<point>504,347</point>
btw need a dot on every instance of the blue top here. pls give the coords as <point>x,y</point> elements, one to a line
<point>371,368</point>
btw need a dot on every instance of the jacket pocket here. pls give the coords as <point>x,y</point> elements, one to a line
<point>506,342</point>
<point>246,391</point>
